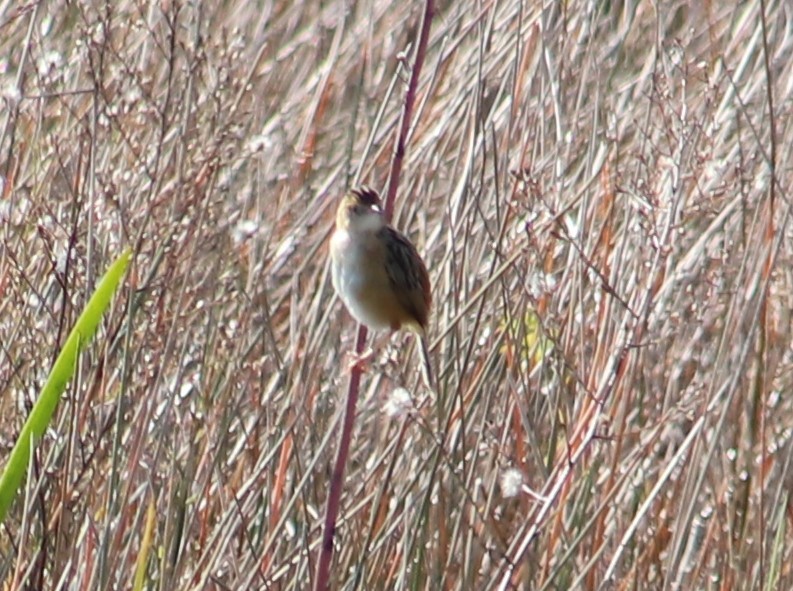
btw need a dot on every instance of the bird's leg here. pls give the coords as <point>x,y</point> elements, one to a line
<point>359,361</point>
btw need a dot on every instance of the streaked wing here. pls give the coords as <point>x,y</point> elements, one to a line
<point>408,275</point>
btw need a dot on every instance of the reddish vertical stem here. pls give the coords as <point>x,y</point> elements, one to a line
<point>322,579</point>
<point>337,479</point>
<point>407,111</point>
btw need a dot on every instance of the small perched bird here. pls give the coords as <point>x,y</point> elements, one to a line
<point>377,271</point>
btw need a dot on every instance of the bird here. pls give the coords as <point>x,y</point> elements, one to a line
<point>378,273</point>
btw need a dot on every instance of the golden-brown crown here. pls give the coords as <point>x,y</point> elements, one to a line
<point>366,196</point>
<point>360,208</point>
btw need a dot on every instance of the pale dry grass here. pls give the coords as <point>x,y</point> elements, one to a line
<point>591,186</point>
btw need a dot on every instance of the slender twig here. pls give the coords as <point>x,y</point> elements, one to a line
<point>407,111</point>
<point>321,581</point>
<point>761,382</point>
<point>337,480</point>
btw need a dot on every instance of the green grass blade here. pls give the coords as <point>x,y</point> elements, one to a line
<point>62,372</point>
<point>145,547</point>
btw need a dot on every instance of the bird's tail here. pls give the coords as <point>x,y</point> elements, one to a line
<point>426,363</point>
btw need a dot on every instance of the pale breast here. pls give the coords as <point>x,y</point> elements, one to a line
<point>360,281</point>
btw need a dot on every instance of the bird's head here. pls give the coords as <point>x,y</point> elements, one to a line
<point>360,211</point>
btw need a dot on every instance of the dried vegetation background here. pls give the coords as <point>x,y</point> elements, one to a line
<point>603,208</point>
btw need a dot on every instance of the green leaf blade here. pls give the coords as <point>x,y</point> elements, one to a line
<point>62,371</point>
